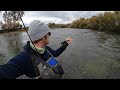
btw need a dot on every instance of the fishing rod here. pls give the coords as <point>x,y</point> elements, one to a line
<point>27,32</point>
<point>33,43</point>
<point>56,69</point>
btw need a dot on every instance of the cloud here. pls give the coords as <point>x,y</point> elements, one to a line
<point>57,16</point>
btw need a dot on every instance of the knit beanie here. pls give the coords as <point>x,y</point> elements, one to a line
<point>37,30</point>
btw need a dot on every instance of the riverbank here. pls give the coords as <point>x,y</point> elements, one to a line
<point>12,30</point>
<point>23,30</point>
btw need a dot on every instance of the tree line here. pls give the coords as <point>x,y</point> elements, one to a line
<point>107,21</point>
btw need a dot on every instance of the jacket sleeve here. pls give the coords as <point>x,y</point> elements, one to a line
<point>58,51</point>
<point>11,70</point>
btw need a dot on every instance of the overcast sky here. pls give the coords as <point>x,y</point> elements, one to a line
<point>55,16</point>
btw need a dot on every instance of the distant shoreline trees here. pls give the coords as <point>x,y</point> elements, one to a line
<point>107,21</point>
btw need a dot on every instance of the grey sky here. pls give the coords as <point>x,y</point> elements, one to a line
<point>56,16</point>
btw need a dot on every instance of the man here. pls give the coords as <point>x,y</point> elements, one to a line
<point>32,61</point>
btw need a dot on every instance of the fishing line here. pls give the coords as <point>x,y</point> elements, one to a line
<point>75,36</point>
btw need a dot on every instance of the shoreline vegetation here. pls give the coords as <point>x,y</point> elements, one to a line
<point>12,30</point>
<point>104,22</point>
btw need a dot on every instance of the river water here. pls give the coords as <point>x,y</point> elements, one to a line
<point>91,55</point>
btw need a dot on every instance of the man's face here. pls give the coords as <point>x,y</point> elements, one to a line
<point>47,38</point>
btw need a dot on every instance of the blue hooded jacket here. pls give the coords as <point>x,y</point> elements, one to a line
<point>22,64</point>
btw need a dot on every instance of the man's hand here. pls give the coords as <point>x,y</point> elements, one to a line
<point>68,40</point>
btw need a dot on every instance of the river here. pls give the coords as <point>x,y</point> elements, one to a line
<point>91,55</point>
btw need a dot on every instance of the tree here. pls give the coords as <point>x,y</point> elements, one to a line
<point>51,25</point>
<point>93,23</point>
<point>11,18</point>
<point>75,24</point>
